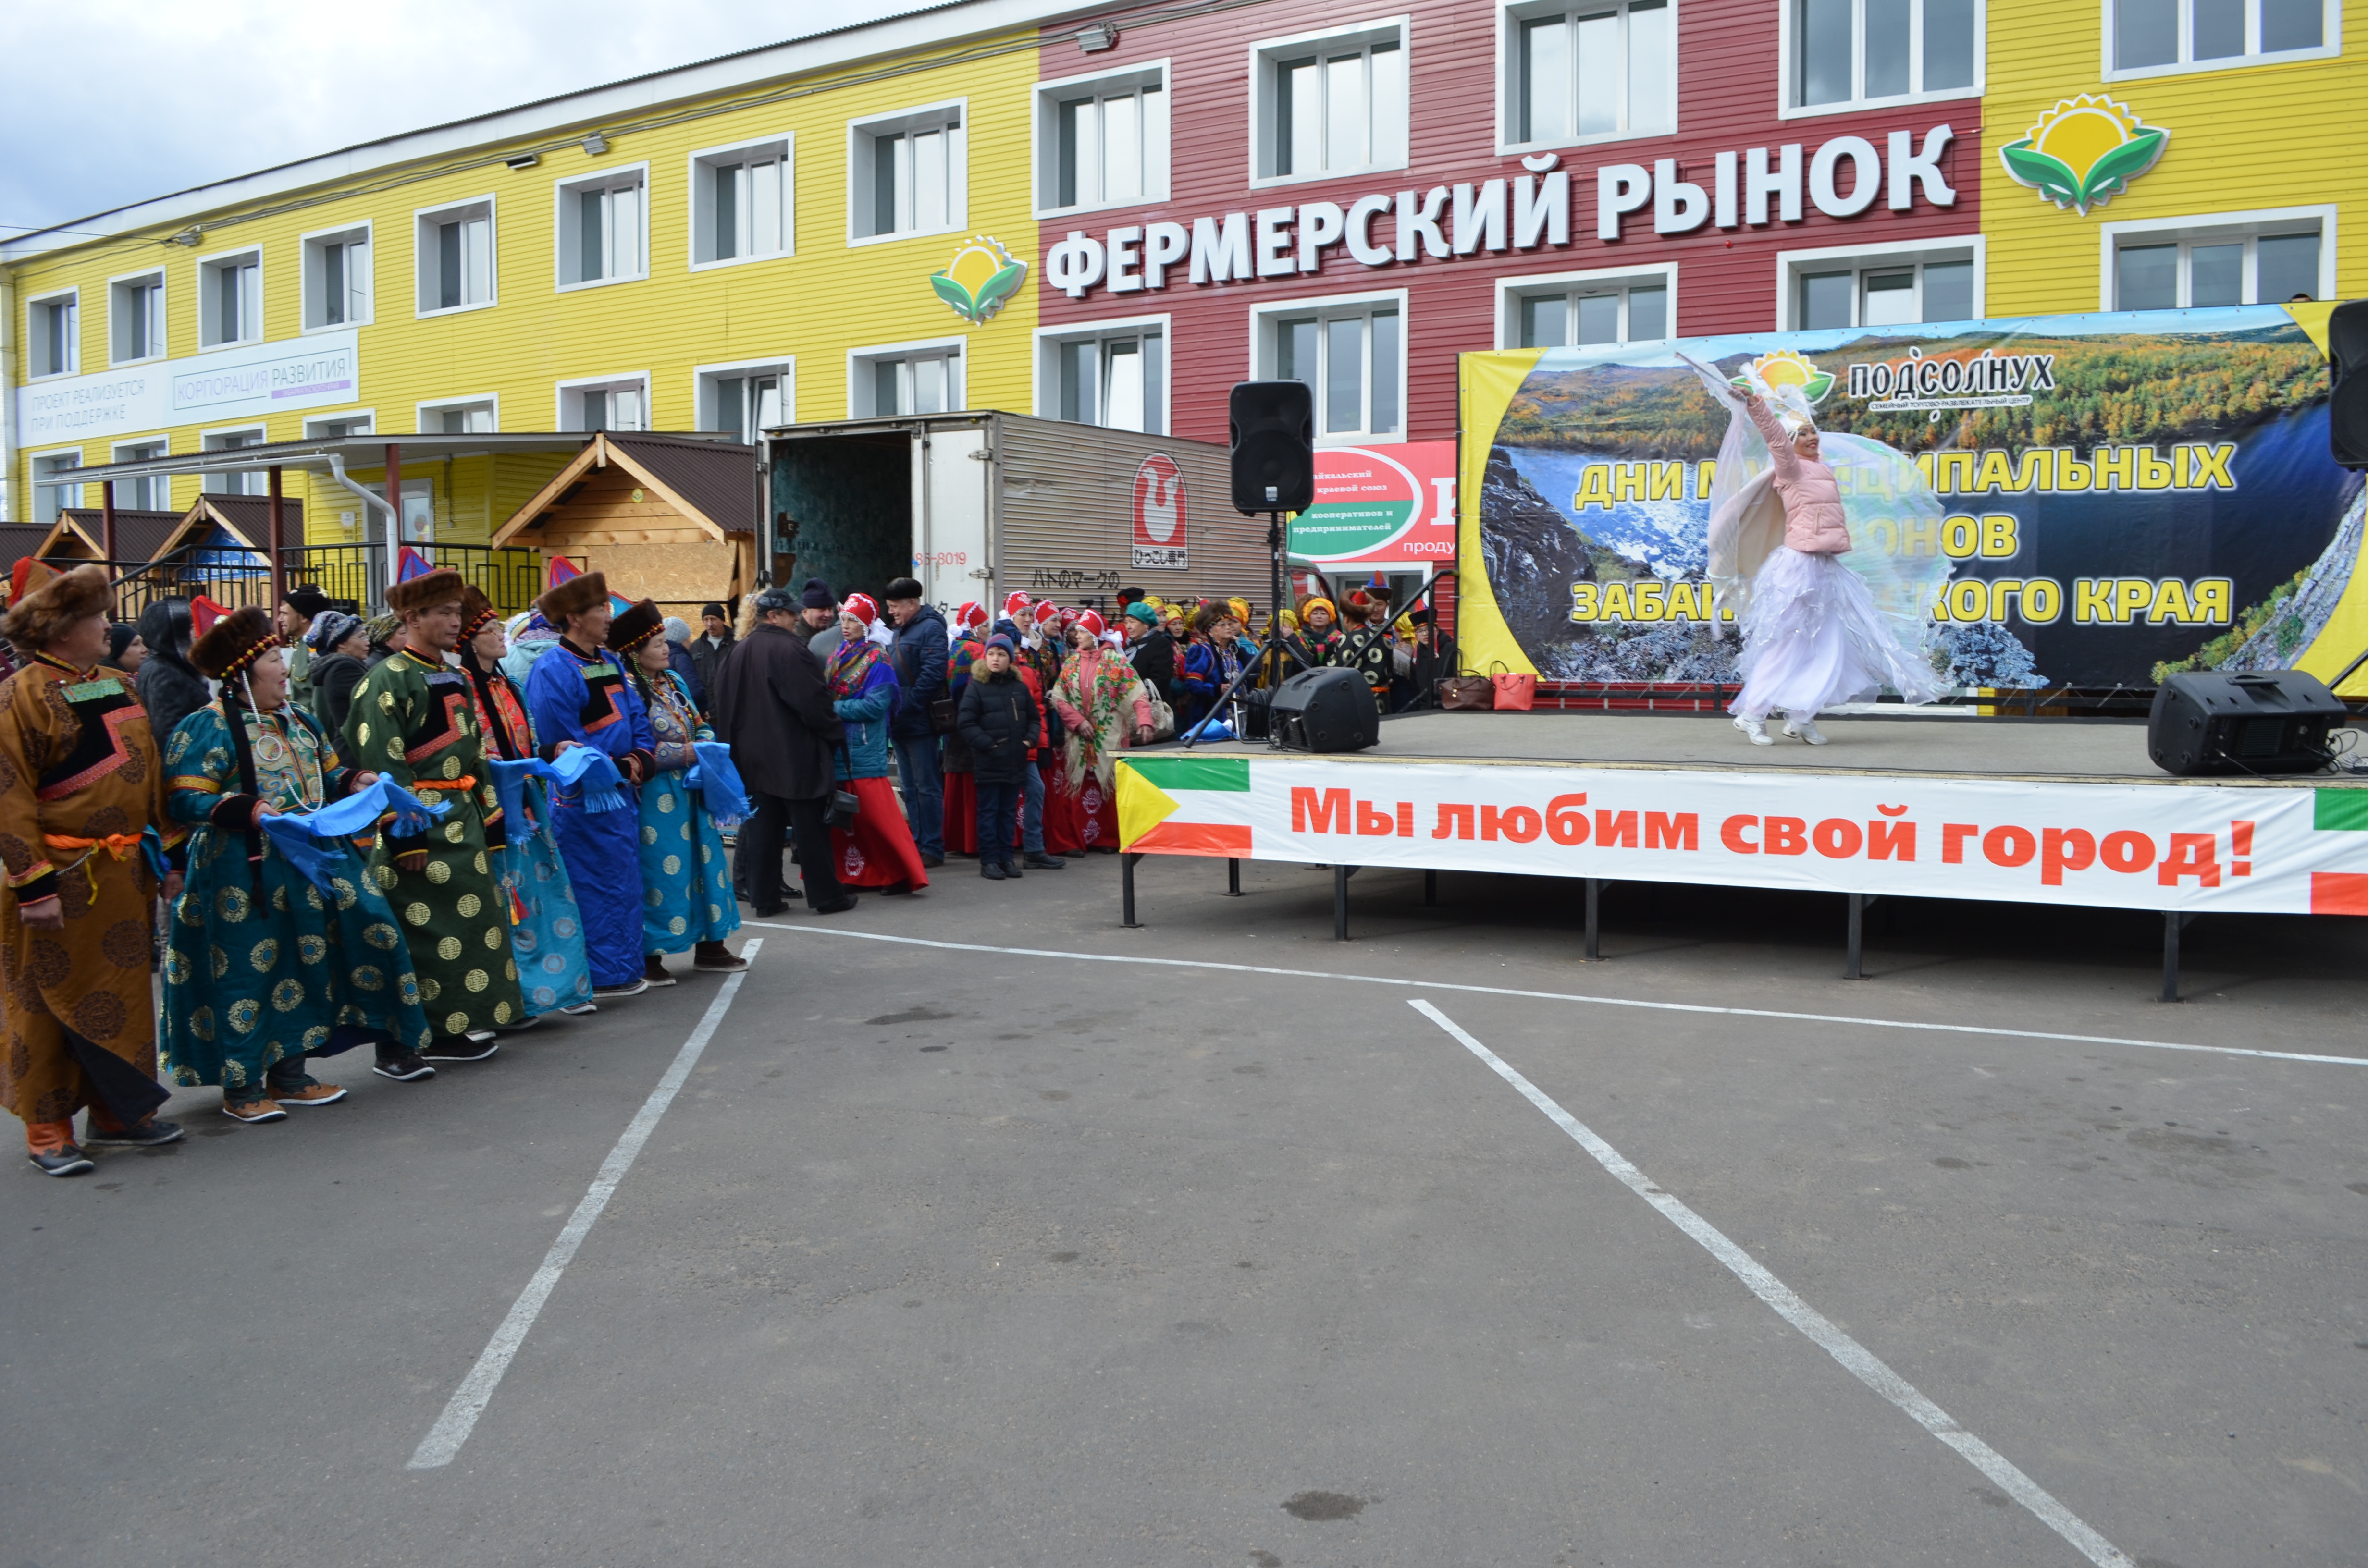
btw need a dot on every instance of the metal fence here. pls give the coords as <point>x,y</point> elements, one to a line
<point>352,574</point>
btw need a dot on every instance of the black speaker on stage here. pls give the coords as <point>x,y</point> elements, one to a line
<point>1327,709</point>
<point>2347,345</point>
<point>2272,721</point>
<point>1273,435</point>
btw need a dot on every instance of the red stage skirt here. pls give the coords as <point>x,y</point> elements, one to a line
<point>1077,814</point>
<point>961,813</point>
<point>880,852</point>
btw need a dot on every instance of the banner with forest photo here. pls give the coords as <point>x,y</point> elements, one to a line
<point>2118,497</point>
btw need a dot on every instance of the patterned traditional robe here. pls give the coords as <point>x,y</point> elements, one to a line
<point>79,782</point>
<point>686,878</point>
<point>588,699</point>
<point>262,965</point>
<point>413,720</point>
<point>549,941</point>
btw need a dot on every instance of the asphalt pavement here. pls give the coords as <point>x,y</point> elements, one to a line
<point>973,1238</point>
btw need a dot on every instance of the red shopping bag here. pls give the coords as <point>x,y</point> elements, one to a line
<point>1517,692</point>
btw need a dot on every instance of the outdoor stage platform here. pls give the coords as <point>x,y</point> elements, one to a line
<point>1929,804</point>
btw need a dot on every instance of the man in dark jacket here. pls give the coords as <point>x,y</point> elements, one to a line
<point>998,720</point>
<point>919,657</point>
<point>713,642</point>
<point>772,706</point>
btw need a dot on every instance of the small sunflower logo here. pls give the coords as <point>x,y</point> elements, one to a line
<point>979,278</point>
<point>2084,151</point>
<point>1786,369</point>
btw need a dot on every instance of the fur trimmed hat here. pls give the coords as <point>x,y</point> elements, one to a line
<point>635,626</point>
<point>45,610</point>
<point>441,586</point>
<point>573,596</point>
<point>232,642</point>
<point>476,611</point>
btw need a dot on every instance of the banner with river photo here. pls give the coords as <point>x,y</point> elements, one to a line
<point>2111,497</point>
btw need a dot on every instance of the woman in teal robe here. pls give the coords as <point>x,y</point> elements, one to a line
<point>687,899</point>
<point>262,968</point>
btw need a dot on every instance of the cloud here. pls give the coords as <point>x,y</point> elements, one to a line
<point>116,101</point>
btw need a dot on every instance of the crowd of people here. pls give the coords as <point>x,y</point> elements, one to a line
<point>480,823</point>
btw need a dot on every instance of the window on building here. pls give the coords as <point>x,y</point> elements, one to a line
<point>745,399</point>
<point>135,309</point>
<point>1114,377</point>
<point>911,174</point>
<point>2171,272</point>
<point>455,255</point>
<point>1845,292</point>
<point>153,494</point>
<point>1595,70</point>
<point>925,379</point>
<point>1103,140</point>
<point>1585,313</point>
<point>1352,353</point>
<point>604,228</point>
<point>1332,105</point>
<point>741,202</point>
<point>235,484</point>
<point>2169,35</point>
<point>621,403</point>
<point>53,340</point>
<point>1862,51</point>
<point>337,279</point>
<point>459,416</point>
<point>230,299</point>
<point>339,427</point>
<point>52,493</point>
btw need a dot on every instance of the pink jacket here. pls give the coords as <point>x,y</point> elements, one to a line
<point>1813,501</point>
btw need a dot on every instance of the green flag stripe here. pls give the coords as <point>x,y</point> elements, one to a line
<point>2340,810</point>
<point>1231,773</point>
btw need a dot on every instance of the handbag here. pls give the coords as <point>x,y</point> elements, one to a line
<point>1466,692</point>
<point>1516,690</point>
<point>942,716</point>
<point>1162,717</point>
<point>845,807</point>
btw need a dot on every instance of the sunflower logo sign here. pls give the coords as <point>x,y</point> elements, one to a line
<point>1785,368</point>
<point>979,278</point>
<point>2084,151</point>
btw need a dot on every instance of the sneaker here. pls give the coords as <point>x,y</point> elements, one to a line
<point>459,1048</point>
<point>254,1111</point>
<point>1755,728</point>
<point>149,1134</point>
<point>932,861</point>
<point>526,1023</point>
<point>653,970</point>
<point>582,1010</point>
<point>408,1068</point>
<point>1042,862</point>
<point>633,988</point>
<point>837,907</point>
<point>308,1094</point>
<point>715,958</point>
<point>991,869</point>
<point>1804,730</point>
<point>65,1159</point>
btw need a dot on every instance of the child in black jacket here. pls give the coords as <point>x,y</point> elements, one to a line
<point>998,720</point>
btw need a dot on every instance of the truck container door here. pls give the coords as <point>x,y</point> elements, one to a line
<point>949,519</point>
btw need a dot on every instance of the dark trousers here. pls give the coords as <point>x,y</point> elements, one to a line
<point>922,773</point>
<point>756,868</point>
<point>996,804</point>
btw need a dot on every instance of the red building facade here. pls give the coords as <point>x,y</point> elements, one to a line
<point>1300,187</point>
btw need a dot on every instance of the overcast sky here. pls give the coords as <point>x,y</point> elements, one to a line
<point>112,101</point>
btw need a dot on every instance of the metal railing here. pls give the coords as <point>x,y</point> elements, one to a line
<point>350,574</point>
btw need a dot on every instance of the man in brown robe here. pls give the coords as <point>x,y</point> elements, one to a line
<point>80,782</point>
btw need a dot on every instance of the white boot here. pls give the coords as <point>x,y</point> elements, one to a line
<point>1804,727</point>
<point>1756,729</point>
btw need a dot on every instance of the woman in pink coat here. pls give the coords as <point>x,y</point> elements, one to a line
<point>1811,633</point>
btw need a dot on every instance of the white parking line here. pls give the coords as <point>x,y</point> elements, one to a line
<point>1571,997</point>
<point>476,1391</point>
<point>1860,1362</point>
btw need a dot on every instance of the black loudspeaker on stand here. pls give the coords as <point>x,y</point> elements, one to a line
<point>2270,721</point>
<point>2347,346</point>
<point>1326,710</point>
<point>1272,429</point>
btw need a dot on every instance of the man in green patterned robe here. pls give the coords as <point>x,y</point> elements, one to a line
<point>412,719</point>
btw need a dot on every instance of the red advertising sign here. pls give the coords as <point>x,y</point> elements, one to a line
<point>1381,506</point>
<point>1159,513</point>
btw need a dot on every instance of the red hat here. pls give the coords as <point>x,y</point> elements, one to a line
<point>971,613</point>
<point>1048,611</point>
<point>861,606</point>
<point>1092,621</point>
<point>1015,605</point>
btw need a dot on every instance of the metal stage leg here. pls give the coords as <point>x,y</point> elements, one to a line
<point>1233,879</point>
<point>1431,887</point>
<point>1857,902</point>
<point>1341,875</point>
<point>1126,891</point>
<point>2172,922</point>
<point>1594,919</point>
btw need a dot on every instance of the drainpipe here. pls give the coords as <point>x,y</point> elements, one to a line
<point>337,473</point>
<point>8,497</point>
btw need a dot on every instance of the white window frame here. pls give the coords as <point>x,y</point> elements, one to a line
<point>1511,291</point>
<point>33,462</point>
<point>578,386</point>
<point>1265,54</point>
<point>219,483</point>
<point>2221,226</point>
<point>123,281</point>
<point>37,310</point>
<point>339,417</point>
<point>1789,83</point>
<point>701,164</point>
<point>1046,126</point>
<point>1792,263</point>
<point>565,217</point>
<point>953,116</point>
<point>861,360</point>
<point>702,377</point>
<point>2330,31</point>
<point>1264,355</point>
<point>428,255</point>
<point>214,263</point>
<point>308,297</point>
<point>1046,357</point>
<point>134,451</point>
<point>1509,18</point>
<point>439,406</point>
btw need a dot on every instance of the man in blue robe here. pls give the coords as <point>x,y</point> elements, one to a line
<point>579,691</point>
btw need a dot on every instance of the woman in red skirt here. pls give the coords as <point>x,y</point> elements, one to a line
<point>962,786</point>
<point>1103,708</point>
<point>878,851</point>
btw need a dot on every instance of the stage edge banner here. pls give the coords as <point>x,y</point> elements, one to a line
<point>2283,849</point>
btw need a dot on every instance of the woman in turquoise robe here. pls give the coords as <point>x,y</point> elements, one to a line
<point>262,968</point>
<point>687,898</point>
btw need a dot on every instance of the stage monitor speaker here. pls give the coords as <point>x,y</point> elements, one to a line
<point>2272,722</point>
<point>1273,435</point>
<point>2347,345</point>
<point>1327,709</point>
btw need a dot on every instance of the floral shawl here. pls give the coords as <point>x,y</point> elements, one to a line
<point>851,665</point>
<point>1102,686</point>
